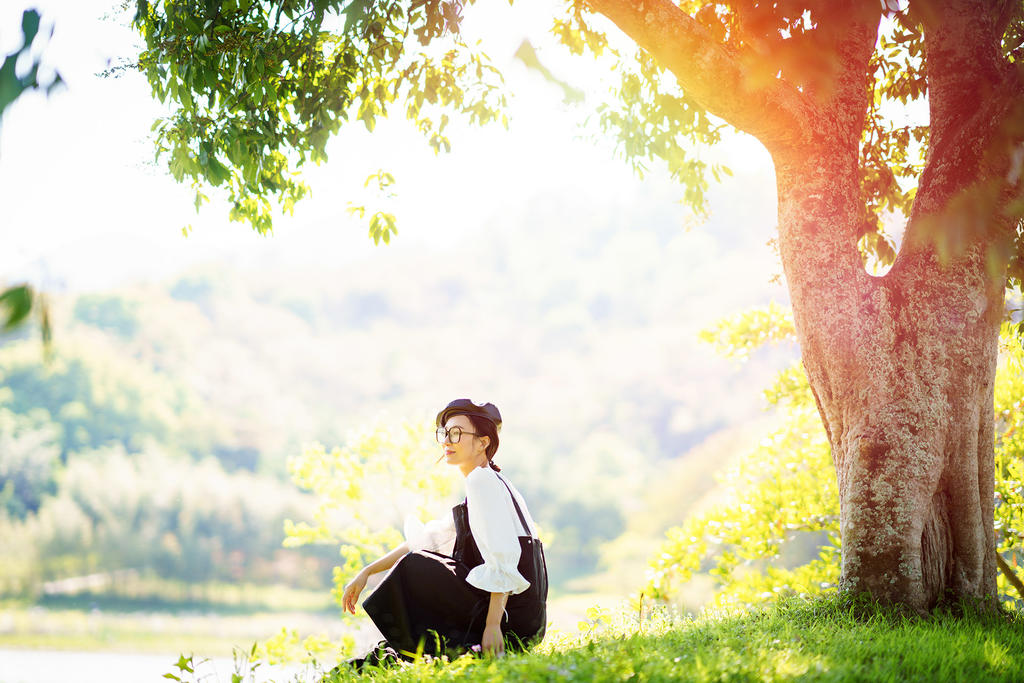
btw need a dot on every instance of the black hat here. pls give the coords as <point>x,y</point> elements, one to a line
<point>463,406</point>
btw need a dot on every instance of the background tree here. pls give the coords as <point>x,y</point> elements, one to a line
<point>901,367</point>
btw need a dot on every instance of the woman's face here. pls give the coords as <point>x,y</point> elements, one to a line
<point>470,451</point>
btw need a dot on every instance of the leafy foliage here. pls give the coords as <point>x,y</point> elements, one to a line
<point>157,516</point>
<point>738,336</point>
<point>647,114</point>
<point>29,459</point>
<point>94,400</point>
<point>382,224</point>
<point>1009,406</point>
<point>363,489</point>
<point>104,465</point>
<point>17,303</point>
<point>892,156</point>
<point>12,83</point>
<point>782,489</point>
<point>257,87</point>
<point>793,42</point>
<point>775,532</point>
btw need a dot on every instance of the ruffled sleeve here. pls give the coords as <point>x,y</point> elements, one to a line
<point>496,532</point>
<point>436,535</point>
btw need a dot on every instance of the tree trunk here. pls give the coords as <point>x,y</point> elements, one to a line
<point>902,368</point>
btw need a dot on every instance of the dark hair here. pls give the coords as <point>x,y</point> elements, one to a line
<point>485,427</point>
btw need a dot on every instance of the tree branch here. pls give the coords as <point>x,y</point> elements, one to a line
<point>965,65</point>
<point>734,85</point>
<point>1007,571</point>
<point>845,37</point>
<point>971,99</point>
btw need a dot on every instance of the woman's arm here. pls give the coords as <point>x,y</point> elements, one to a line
<point>388,561</point>
<point>492,641</point>
<point>355,587</point>
<point>495,528</point>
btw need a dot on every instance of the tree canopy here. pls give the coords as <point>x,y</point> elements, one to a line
<point>257,87</point>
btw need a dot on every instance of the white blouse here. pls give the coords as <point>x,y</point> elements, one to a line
<point>496,530</point>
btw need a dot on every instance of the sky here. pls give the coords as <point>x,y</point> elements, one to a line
<point>86,207</point>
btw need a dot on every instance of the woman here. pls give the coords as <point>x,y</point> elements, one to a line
<point>475,578</point>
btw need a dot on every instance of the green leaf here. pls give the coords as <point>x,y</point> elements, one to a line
<point>18,302</point>
<point>29,25</point>
<point>368,119</point>
<point>185,663</point>
<point>10,85</point>
<point>217,172</point>
<point>375,228</point>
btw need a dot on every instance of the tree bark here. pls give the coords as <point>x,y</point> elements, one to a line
<point>902,366</point>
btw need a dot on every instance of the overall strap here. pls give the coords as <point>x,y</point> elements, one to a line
<point>526,527</point>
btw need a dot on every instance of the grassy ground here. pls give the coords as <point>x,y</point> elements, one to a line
<point>823,640</point>
<point>806,641</point>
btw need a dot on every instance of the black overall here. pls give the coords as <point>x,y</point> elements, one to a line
<point>425,605</point>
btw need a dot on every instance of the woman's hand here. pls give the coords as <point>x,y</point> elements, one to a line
<point>352,591</point>
<point>493,643</point>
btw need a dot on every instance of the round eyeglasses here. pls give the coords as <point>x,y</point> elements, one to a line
<point>452,435</point>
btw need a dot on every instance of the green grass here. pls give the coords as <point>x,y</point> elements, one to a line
<point>814,640</point>
<point>797,640</point>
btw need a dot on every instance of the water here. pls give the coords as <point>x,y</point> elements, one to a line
<point>61,666</point>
